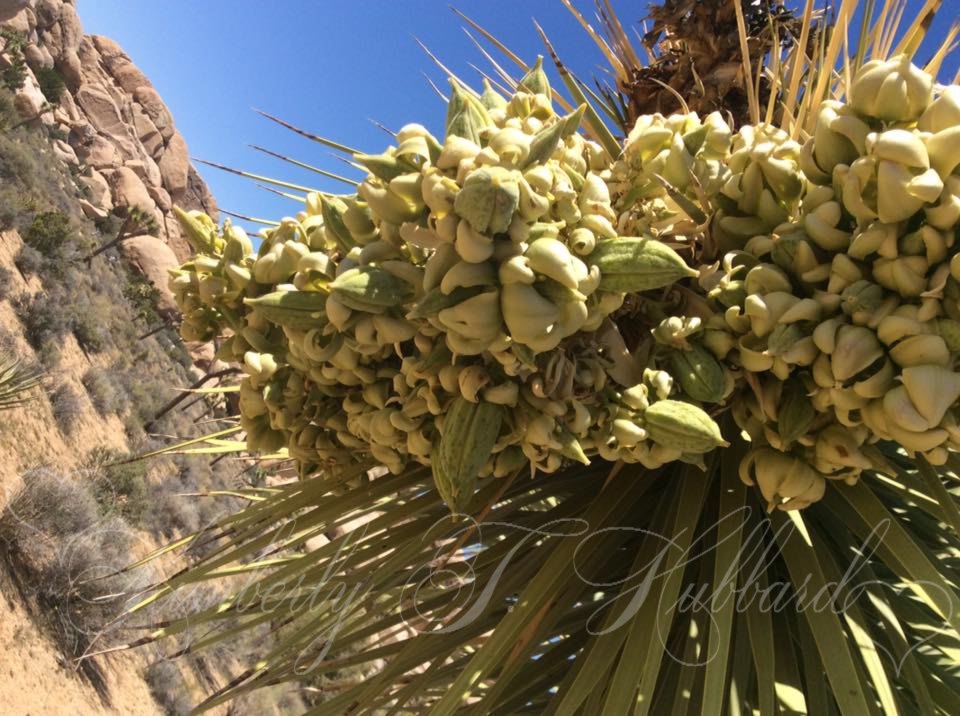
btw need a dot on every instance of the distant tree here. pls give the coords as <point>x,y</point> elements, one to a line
<point>51,85</point>
<point>15,74</point>
<point>137,221</point>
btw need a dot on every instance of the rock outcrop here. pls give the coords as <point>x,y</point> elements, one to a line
<point>117,131</point>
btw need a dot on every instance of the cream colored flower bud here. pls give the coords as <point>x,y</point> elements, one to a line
<point>944,152</point>
<point>766,311</point>
<point>877,238</point>
<point>467,275</point>
<point>932,389</point>
<point>441,261</point>
<point>503,394</point>
<point>389,206</point>
<point>838,446</point>
<point>541,432</point>
<point>660,381</point>
<point>526,312</point>
<point>856,349</point>
<point>476,318</point>
<point>921,350</point>
<point>896,326</point>
<point>784,481</point>
<point>907,275</point>
<point>943,112</point>
<point>628,433</point>
<point>472,245</point>
<point>901,146</point>
<point>900,411</point>
<point>877,384</point>
<point>893,90</point>
<point>540,177</point>
<point>946,213</point>
<point>511,145</point>
<point>393,330</point>
<point>828,147</point>
<point>636,397</point>
<point>767,278</point>
<point>259,366</point>
<point>821,226</point>
<point>551,258</point>
<point>471,380</point>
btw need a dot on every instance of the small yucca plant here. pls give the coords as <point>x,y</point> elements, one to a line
<point>645,331</point>
<point>16,382</point>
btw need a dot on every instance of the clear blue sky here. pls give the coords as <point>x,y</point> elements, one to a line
<point>327,66</point>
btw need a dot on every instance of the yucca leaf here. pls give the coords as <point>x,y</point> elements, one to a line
<point>609,505</point>
<point>897,548</point>
<point>759,624</point>
<point>849,689</point>
<point>632,685</point>
<point>16,382</point>
<point>729,525</point>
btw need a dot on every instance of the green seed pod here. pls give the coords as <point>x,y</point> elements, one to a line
<point>796,412</point>
<point>489,97</point>
<point>699,373</point>
<point>466,116</point>
<point>370,288</point>
<point>335,230</point>
<point>469,433</point>
<point>685,427</point>
<point>200,231</point>
<point>358,219</point>
<point>299,310</point>
<point>535,81</point>
<point>629,264</point>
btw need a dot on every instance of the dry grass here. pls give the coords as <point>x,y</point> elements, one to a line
<point>63,554</point>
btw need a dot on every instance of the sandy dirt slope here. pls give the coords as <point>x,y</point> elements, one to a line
<point>34,678</point>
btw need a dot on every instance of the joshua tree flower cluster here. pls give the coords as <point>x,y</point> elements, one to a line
<point>513,297</point>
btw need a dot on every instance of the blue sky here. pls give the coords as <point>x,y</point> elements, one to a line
<point>323,65</point>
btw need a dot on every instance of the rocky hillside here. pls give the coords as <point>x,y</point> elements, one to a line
<point>86,144</point>
<point>113,127</point>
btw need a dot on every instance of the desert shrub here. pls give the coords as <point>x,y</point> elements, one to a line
<point>109,225</point>
<point>89,330</point>
<point>8,341</point>
<point>11,206</point>
<point>56,131</point>
<point>96,316</point>
<point>67,407</point>
<point>47,316</point>
<point>6,282</point>
<point>8,110</point>
<point>170,513</point>
<point>29,261</point>
<point>170,343</point>
<point>66,555</point>
<point>118,487</point>
<point>18,160</point>
<point>49,233</point>
<point>42,318</point>
<point>168,688</point>
<point>102,391</point>
<point>47,503</point>
<point>148,393</point>
<point>51,84</point>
